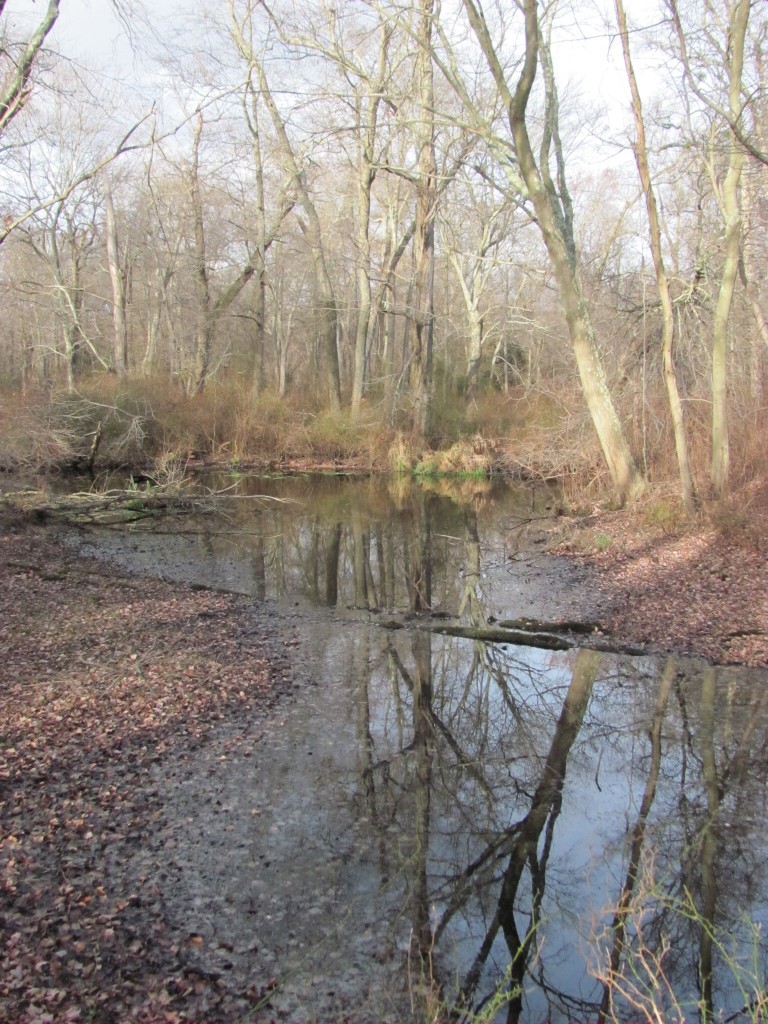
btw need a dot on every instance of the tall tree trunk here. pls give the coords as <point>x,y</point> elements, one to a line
<point>552,216</point>
<point>732,215</point>
<point>368,113</point>
<point>364,291</point>
<point>728,198</point>
<point>204,331</point>
<point>640,149</point>
<point>423,300</point>
<point>327,312</point>
<point>117,277</point>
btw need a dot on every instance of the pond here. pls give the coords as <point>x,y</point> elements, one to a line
<point>437,827</point>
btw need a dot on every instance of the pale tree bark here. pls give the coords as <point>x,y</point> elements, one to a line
<point>473,280</point>
<point>727,194</point>
<point>117,276</point>
<point>367,128</point>
<point>553,220</point>
<point>209,311</point>
<point>63,246</point>
<point>327,308</point>
<point>157,303</point>
<point>204,328</point>
<point>739,17</point>
<point>265,235</point>
<point>164,241</point>
<point>423,294</point>
<point>748,275</point>
<point>640,149</point>
<point>260,298</point>
<point>394,251</point>
<point>15,90</point>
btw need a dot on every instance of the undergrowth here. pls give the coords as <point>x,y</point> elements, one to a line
<point>135,421</point>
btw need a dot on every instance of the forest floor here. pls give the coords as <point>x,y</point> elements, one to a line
<point>105,675</point>
<point>697,589</point>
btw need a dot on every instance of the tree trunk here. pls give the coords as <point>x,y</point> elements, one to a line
<point>423,300</point>
<point>117,277</point>
<point>732,216</point>
<point>204,331</point>
<point>368,113</point>
<point>627,479</point>
<point>327,313</point>
<point>662,283</point>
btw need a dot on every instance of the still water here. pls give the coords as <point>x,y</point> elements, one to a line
<point>439,828</point>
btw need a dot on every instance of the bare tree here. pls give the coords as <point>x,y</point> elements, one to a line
<point>640,149</point>
<point>117,275</point>
<point>554,217</point>
<point>19,60</point>
<point>244,30</point>
<point>727,193</point>
<point>423,288</point>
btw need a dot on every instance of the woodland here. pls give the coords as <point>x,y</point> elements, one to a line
<point>414,236</point>
<point>393,235</point>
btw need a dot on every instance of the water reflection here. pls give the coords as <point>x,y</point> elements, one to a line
<point>491,830</point>
<point>572,856</point>
<point>372,544</point>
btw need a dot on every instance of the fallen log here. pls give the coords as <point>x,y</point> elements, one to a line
<point>502,634</point>
<point>556,626</point>
<point>523,638</point>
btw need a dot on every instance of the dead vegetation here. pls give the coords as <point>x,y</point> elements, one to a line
<point>104,676</point>
<point>698,588</point>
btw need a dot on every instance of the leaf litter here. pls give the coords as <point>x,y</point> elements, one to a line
<point>697,590</point>
<point>104,677</point>
<point>107,676</point>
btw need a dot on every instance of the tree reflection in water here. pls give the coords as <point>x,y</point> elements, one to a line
<point>506,900</point>
<point>578,837</point>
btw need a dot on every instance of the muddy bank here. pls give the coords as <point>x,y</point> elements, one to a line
<point>701,591</point>
<point>137,718</point>
<point>105,678</point>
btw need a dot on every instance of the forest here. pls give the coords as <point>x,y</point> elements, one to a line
<point>392,235</point>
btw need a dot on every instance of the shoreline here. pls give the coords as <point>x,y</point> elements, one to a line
<point>111,677</point>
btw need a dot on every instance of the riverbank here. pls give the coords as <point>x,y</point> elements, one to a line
<point>108,677</point>
<point>105,677</point>
<point>695,589</point>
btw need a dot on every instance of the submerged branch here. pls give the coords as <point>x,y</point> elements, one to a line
<point>555,636</point>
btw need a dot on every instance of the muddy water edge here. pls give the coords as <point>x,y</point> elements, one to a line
<point>432,826</point>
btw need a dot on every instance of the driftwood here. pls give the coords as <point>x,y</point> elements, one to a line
<point>557,626</point>
<point>105,508</point>
<point>584,635</point>
<point>125,506</point>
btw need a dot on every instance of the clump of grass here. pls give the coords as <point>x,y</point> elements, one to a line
<point>402,456</point>
<point>469,458</point>
<point>665,514</point>
<point>426,467</point>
